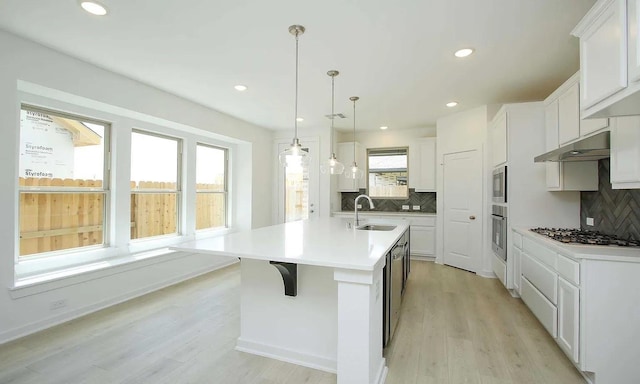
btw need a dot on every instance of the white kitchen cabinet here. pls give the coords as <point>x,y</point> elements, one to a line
<point>569,115</point>
<point>625,152</point>
<point>422,164</point>
<point>498,135</point>
<point>609,59</point>
<point>633,41</point>
<point>423,241</point>
<point>541,307</point>
<point>562,126</point>
<point>345,155</point>
<point>569,318</point>
<point>516,254</point>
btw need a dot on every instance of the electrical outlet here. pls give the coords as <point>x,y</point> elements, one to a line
<point>58,304</point>
<point>359,206</point>
<point>590,221</point>
<point>405,207</point>
<point>416,207</point>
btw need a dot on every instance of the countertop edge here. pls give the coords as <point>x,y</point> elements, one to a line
<point>382,213</point>
<point>578,252</point>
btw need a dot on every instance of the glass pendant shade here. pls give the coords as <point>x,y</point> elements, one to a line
<point>332,166</point>
<point>353,172</point>
<point>294,156</point>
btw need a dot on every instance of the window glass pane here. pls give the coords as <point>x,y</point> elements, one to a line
<point>55,147</point>
<point>154,168</point>
<point>388,173</point>
<point>154,162</point>
<point>59,221</point>
<point>60,156</point>
<point>153,214</point>
<point>210,168</point>
<point>211,197</point>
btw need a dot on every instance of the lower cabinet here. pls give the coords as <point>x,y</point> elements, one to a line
<point>423,240</point>
<point>516,254</point>
<point>568,318</point>
<point>544,310</point>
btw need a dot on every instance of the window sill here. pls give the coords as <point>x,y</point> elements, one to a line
<point>37,276</point>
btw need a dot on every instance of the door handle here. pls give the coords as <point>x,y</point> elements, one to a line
<point>472,217</point>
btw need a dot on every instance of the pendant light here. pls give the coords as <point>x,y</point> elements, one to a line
<point>332,166</point>
<point>295,156</point>
<point>354,172</point>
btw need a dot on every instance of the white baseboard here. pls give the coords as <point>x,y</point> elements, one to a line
<point>423,258</point>
<point>381,377</point>
<point>49,322</point>
<point>487,274</point>
<point>287,355</point>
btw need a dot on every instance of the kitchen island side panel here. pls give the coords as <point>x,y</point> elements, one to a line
<point>301,329</point>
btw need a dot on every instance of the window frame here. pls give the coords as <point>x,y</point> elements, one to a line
<point>178,191</point>
<point>105,190</point>
<point>389,149</point>
<point>225,193</point>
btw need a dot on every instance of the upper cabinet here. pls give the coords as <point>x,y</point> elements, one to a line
<point>498,137</point>
<point>610,59</point>
<point>563,126</point>
<point>625,152</point>
<point>422,164</point>
<point>345,155</point>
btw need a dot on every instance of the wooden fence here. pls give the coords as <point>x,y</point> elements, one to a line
<point>53,221</point>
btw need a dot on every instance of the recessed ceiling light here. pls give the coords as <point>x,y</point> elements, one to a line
<point>94,8</point>
<point>464,52</point>
<point>384,127</point>
<point>240,87</point>
<point>452,104</point>
<point>299,119</point>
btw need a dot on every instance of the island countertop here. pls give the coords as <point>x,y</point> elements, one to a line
<point>324,242</point>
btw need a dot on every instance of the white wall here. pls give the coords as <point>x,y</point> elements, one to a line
<point>33,68</point>
<point>460,132</point>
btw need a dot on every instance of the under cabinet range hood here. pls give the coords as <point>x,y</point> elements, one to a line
<point>595,147</point>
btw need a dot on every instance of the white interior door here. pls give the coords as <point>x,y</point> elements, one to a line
<point>298,187</point>
<point>462,181</point>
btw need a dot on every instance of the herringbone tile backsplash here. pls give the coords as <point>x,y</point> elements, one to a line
<point>426,201</point>
<point>615,211</point>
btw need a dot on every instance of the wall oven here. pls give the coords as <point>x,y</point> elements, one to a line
<point>499,231</point>
<point>500,185</point>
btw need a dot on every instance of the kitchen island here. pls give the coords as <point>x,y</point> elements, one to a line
<point>311,293</point>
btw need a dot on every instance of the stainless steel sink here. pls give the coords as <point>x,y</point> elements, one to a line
<point>376,227</point>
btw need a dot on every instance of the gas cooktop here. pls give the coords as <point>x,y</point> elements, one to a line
<point>577,236</point>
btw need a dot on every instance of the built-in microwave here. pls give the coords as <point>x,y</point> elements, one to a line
<point>500,185</point>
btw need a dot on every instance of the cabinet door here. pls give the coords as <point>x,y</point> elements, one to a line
<point>568,318</point>
<point>499,140</point>
<point>422,165</point>
<point>588,126</point>
<point>516,255</point>
<point>633,42</point>
<point>603,55</point>
<point>423,240</point>
<point>625,152</point>
<point>569,115</point>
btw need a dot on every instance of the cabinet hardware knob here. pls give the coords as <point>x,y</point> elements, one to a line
<point>472,217</point>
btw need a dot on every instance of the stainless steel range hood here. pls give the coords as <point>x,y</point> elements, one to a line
<point>595,147</point>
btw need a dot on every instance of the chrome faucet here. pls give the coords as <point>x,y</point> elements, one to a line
<point>357,222</point>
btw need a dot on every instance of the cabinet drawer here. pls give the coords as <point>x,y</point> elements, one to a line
<point>541,277</point>
<point>569,269</point>
<point>422,221</point>
<point>517,239</point>
<point>544,310</point>
<point>540,252</point>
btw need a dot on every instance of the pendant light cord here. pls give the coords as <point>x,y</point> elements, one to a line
<point>295,123</point>
<point>354,131</point>
<point>333,116</point>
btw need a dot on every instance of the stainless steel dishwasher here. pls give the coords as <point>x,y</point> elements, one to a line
<point>397,272</point>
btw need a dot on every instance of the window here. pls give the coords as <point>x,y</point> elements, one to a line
<point>211,187</point>
<point>63,182</point>
<point>387,173</point>
<point>155,186</point>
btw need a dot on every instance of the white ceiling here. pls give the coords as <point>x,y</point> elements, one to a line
<point>396,55</point>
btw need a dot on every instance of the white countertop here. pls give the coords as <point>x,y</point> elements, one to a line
<point>385,213</point>
<point>582,251</point>
<point>325,242</point>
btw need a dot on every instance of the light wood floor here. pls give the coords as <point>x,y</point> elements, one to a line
<point>455,327</point>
